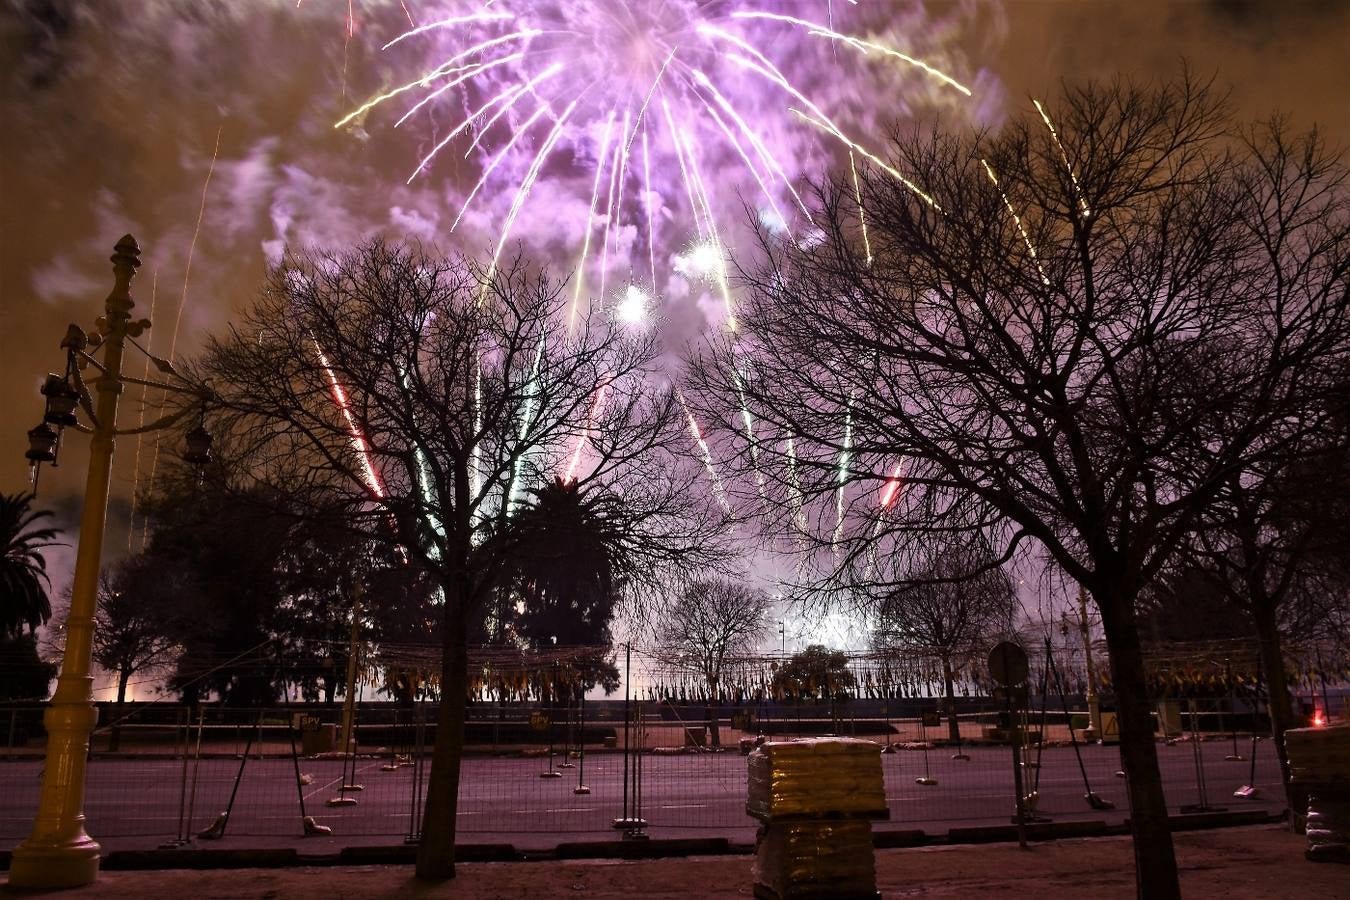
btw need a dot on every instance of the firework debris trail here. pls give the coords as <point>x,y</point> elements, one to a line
<point>140,422</point>
<point>1017,220</point>
<point>358,439</point>
<point>178,316</point>
<point>1054,135</point>
<point>504,68</point>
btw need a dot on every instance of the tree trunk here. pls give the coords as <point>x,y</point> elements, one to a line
<point>1154,857</point>
<point>953,726</point>
<point>714,735</point>
<point>115,738</point>
<point>1281,709</point>
<point>436,852</point>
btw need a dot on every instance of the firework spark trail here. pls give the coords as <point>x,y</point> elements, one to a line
<point>647,202</point>
<point>798,500</point>
<point>445,68</point>
<point>889,492</point>
<point>862,215</point>
<point>700,188</point>
<point>816,29</point>
<point>749,421</point>
<point>497,161</point>
<point>425,488</point>
<point>450,22</point>
<point>824,122</point>
<point>623,178</point>
<point>462,74</point>
<point>508,95</point>
<point>892,486</point>
<point>526,422</point>
<point>1016,220</point>
<point>845,455</point>
<point>178,315</point>
<point>1045,117</point>
<point>616,173</point>
<point>684,169</point>
<point>140,422</point>
<point>745,158</point>
<point>765,156</point>
<point>719,490</point>
<point>863,151</point>
<point>590,218</point>
<point>358,439</point>
<point>585,435</point>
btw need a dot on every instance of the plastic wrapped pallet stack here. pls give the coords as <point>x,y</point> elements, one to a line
<point>816,799</point>
<point>1319,761</point>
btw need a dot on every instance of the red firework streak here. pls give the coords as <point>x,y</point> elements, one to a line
<point>582,438</point>
<point>892,487</point>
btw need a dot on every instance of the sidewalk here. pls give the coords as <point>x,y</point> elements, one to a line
<point>1236,863</point>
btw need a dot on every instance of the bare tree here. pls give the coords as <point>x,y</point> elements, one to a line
<point>708,622</point>
<point>135,623</point>
<point>945,611</point>
<point>1274,544</point>
<point>1066,336</point>
<point>419,398</point>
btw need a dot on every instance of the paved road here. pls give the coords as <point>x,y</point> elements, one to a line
<point>135,802</point>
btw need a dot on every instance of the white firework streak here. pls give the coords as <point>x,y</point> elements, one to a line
<point>1017,220</point>
<point>862,215</point>
<point>510,95</point>
<point>844,457</point>
<point>719,491</point>
<point>590,219</point>
<point>440,71</point>
<point>857,43</point>
<point>1054,135</point>
<point>611,206</point>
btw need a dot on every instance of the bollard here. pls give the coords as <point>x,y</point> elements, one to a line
<point>1319,763</point>
<point>816,798</point>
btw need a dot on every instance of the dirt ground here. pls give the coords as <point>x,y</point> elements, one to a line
<point>1237,864</point>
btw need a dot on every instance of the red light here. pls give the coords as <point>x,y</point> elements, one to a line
<point>1319,720</point>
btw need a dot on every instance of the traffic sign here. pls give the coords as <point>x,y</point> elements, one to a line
<point>304,722</point>
<point>1008,663</point>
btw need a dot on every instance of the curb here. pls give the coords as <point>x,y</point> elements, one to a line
<point>406,854</point>
<point>645,849</point>
<point>1198,821</point>
<point>891,840</point>
<point>200,859</point>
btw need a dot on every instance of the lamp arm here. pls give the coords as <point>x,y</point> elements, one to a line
<point>161,422</point>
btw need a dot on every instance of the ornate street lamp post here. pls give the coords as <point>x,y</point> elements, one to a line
<point>59,853</point>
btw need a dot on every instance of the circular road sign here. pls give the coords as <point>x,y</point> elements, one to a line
<point>1008,663</point>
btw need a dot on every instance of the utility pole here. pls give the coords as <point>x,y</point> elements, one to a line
<point>59,853</point>
<point>1094,729</point>
<point>353,649</point>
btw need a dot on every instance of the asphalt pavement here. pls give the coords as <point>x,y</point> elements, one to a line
<point>138,803</point>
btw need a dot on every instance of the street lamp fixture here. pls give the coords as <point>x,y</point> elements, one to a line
<point>58,853</point>
<point>42,442</point>
<point>62,398</point>
<point>197,443</point>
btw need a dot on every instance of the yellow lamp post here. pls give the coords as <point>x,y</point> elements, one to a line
<point>59,853</point>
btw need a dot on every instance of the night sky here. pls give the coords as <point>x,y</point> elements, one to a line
<point>112,110</point>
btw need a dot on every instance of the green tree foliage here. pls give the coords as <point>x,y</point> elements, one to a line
<point>816,673</point>
<point>567,558</point>
<point>23,674</point>
<point>23,569</point>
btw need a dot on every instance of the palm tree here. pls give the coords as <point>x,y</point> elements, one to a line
<point>23,570</point>
<point>567,565</point>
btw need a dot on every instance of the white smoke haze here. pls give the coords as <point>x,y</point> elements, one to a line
<point>112,113</point>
